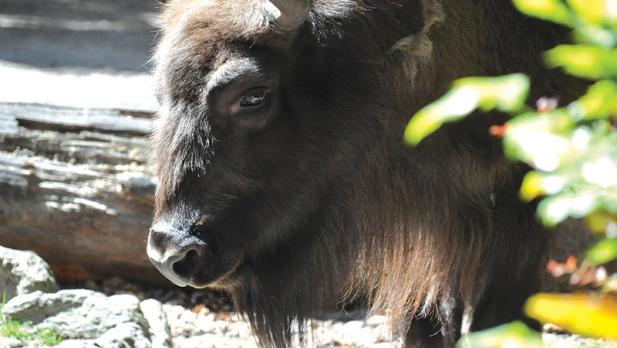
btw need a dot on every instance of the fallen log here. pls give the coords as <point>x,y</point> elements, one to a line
<point>76,188</point>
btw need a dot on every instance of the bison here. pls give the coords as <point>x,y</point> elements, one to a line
<point>283,177</point>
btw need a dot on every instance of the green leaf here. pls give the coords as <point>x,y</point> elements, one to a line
<point>557,208</point>
<point>505,93</point>
<point>532,186</point>
<point>536,184</point>
<point>595,35</point>
<point>539,139</point>
<point>514,335</point>
<point>599,102</point>
<point>594,11</point>
<point>585,61</point>
<point>550,10</point>
<point>599,221</point>
<point>456,104</point>
<point>603,252</point>
<point>585,314</point>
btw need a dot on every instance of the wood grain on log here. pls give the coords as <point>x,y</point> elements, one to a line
<point>75,187</point>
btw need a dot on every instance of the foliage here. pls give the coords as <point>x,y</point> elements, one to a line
<point>15,329</point>
<point>23,331</point>
<point>592,315</point>
<point>48,337</point>
<point>503,93</point>
<point>572,150</point>
<point>514,335</point>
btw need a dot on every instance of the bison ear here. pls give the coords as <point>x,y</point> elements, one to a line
<point>288,14</point>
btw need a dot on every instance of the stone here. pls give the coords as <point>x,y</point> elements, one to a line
<point>114,321</point>
<point>127,335</point>
<point>9,342</point>
<point>159,331</point>
<point>77,344</point>
<point>24,272</point>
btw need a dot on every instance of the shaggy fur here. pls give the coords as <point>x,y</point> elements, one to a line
<point>317,202</point>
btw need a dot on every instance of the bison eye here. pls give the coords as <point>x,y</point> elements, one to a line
<point>254,97</point>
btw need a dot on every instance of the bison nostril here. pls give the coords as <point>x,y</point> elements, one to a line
<point>158,239</point>
<point>185,267</point>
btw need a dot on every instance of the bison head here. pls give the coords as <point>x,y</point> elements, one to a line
<point>262,107</point>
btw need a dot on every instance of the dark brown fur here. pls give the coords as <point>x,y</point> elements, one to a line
<point>320,203</point>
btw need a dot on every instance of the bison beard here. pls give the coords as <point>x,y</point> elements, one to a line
<point>284,179</point>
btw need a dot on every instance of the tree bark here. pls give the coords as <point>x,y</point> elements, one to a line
<point>76,188</point>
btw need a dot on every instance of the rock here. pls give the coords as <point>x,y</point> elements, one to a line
<point>23,272</point>
<point>127,335</point>
<point>160,333</point>
<point>553,340</point>
<point>114,322</point>
<point>77,344</point>
<point>37,306</point>
<point>8,342</point>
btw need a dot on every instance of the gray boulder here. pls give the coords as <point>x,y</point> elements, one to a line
<point>127,335</point>
<point>91,319</point>
<point>159,330</point>
<point>24,272</point>
<point>8,342</point>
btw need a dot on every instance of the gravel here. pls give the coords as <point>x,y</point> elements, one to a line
<point>204,318</point>
<point>201,327</point>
